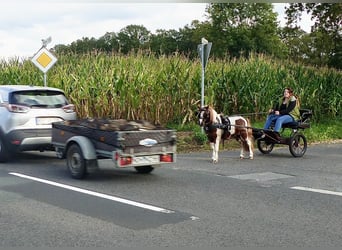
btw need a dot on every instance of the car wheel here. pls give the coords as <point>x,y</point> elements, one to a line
<point>4,154</point>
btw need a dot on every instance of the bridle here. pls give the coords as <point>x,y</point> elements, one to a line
<point>205,120</point>
<point>209,125</point>
<point>204,117</point>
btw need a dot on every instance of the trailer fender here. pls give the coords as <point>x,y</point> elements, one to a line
<point>87,147</point>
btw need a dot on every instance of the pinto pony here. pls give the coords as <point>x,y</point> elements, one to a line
<point>218,127</point>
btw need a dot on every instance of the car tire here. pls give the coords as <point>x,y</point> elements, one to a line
<point>4,154</point>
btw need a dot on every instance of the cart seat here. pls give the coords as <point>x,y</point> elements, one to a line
<point>303,122</point>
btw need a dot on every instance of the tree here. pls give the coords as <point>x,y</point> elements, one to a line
<point>133,37</point>
<point>187,43</point>
<point>84,45</point>
<point>108,42</point>
<point>244,27</point>
<point>326,33</point>
<point>164,42</point>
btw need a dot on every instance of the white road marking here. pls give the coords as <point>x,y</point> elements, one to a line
<point>322,191</point>
<point>104,196</point>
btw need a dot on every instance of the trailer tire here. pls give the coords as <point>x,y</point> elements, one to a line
<point>144,169</point>
<point>76,163</point>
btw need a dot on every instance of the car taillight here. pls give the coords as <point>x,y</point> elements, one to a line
<point>70,108</point>
<point>17,108</point>
<point>16,142</point>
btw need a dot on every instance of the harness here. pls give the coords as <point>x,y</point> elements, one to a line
<point>226,122</point>
<point>225,125</point>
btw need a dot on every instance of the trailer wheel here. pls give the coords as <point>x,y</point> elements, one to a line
<point>144,169</point>
<point>298,145</point>
<point>76,162</point>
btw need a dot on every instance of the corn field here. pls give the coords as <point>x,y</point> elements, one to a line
<point>167,90</point>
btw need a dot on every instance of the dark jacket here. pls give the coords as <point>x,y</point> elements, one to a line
<point>291,108</point>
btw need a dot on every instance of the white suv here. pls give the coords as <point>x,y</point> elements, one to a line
<point>26,115</point>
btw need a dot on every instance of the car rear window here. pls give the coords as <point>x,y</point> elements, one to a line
<point>39,98</point>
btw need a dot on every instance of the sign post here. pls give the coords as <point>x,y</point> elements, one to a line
<point>44,59</point>
<point>203,51</point>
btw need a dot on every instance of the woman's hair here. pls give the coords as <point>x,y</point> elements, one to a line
<point>290,90</point>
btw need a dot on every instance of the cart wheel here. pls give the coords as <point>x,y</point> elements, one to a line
<point>76,162</point>
<point>265,147</point>
<point>298,145</point>
<point>144,169</point>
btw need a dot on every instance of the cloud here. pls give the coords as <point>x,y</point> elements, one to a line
<point>23,23</point>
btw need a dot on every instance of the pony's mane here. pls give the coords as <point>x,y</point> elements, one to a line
<point>213,115</point>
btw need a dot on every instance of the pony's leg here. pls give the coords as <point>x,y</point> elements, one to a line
<point>212,146</point>
<point>242,150</point>
<point>246,145</point>
<point>217,145</point>
<point>250,147</point>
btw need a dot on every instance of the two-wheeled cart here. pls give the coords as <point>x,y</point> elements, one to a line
<point>267,138</point>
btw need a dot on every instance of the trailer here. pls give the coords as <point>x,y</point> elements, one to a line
<point>129,144</point>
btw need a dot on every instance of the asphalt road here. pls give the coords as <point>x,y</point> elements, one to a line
<point>273,200</point>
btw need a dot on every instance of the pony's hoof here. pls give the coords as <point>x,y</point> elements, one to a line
<point>215,161</point>
<point>241,158</point>
<point>251,157</point>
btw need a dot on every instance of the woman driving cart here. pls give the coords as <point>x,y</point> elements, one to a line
<point>285,111</point>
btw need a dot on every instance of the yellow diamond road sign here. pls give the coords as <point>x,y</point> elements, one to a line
<point>44,59</point>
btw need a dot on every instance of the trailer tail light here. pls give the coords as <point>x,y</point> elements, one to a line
<point>125,161</point>
<point>166,158</point>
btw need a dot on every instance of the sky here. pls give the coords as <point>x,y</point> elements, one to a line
<point>24,23</point>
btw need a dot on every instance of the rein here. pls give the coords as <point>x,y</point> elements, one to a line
<point>250,114</point>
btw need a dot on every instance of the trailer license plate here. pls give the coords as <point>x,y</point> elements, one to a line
<point>151,159</point>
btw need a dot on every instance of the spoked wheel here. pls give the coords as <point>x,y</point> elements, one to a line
<point>298,145</point>
<point>76,162</point>
<point>265,147</point>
